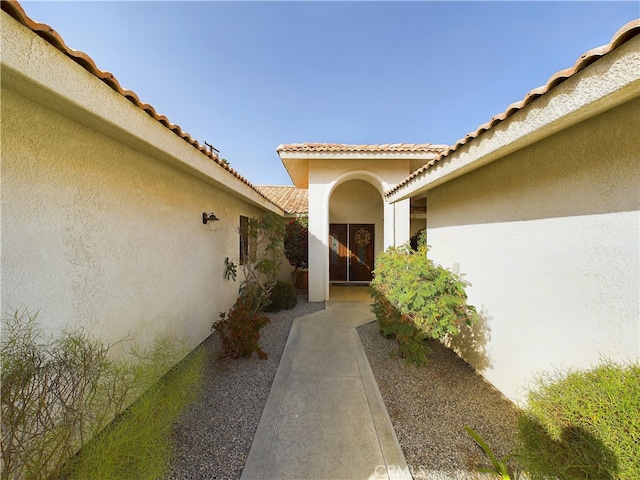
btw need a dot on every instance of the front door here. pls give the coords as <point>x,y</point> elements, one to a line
<point>351,252</point>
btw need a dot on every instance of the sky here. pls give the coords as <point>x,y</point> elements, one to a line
<point>249,76</point>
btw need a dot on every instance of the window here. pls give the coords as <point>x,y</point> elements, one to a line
<point>244,239</point>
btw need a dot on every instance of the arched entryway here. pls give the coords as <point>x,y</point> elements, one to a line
<point>356,231</point>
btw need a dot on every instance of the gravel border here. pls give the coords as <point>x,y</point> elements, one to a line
<point>429,407</point>
<point>214,434</point>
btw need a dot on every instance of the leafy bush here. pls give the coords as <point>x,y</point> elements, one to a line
<point>58,393</point>
<point>585,425</point>
<point>296,243</point>
<point>239,330</point>
<point>283,297</point>
<point>415,300</point>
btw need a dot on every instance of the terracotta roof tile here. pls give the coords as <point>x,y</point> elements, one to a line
<point>290,199</point>
<point>626,33</point>
<point>345,148</point>
<point>47,33</point>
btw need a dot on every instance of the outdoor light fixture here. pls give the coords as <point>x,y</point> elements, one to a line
<point>209,217</point>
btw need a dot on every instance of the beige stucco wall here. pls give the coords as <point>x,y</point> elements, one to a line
<point>326,176</point>
<point>357,201</point>
<point>549,236</point>
<point>101,206</point>
<point>99,235</point>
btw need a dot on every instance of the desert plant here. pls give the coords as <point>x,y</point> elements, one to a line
<point>500,467</point>
<point>283,297</point>
<point>264,237</point>
<point>57,393</point>
<point>583,425</point>
<point>239,330</point>
<point>138,443</point>
<point>414,300</point>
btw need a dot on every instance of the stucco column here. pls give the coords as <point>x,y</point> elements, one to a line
<point>318,243</point>
<point>402,230</point>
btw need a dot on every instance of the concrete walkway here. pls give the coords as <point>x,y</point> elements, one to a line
<point>325,418</point>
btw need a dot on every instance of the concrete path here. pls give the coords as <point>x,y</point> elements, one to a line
<point>325,418</point>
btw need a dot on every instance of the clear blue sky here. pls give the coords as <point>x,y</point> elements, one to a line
<point>248,76</point>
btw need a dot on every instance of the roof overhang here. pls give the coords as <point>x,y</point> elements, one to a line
<point>611,80</point>
<point>296,157</point>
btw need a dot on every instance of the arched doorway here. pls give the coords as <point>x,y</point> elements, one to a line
<point>356,227</point>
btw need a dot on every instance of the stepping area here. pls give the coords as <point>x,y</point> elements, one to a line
<point>325,418</point>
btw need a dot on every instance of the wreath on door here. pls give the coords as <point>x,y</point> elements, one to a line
<point>362,237</point>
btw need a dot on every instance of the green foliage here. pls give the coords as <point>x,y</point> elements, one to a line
<point>138,443</point>
<point>58,393</point>
<point>500,468</point>
<point>415,299</point>
<point>239,330</point>
<point>283,297</point>
<point>296,243</point>
<point>230,270</point>
<point>418,240</point>
<point>265,236</point>
<point>584,425</point>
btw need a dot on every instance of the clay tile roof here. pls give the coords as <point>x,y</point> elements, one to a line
<point>47,33</point>
<point>626,33</point>
<point>290,199</point>
<point>344,148</point>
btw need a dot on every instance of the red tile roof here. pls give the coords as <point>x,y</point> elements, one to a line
<point>47,33</point>
<point>290,199</point>
<point>345,148</point>
<point>623,35</point>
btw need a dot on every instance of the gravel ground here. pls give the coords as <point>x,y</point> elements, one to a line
<point>429,407</point>
<point>213,436</point>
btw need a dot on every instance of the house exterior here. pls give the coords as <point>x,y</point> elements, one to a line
<point>349,221</point>
<point>540,209</point>
<point>103,201</point>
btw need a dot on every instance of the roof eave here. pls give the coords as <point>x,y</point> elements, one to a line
<point>610,81</point>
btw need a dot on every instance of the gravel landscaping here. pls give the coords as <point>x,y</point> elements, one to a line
<point>428,406</point>
<point>214,435</point>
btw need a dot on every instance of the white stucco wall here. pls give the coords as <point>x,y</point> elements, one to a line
<point>325,177</point>
<point>101,206</point>
<point>99,235</point>
<point>549,236</point>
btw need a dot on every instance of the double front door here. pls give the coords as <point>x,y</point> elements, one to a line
<point>351,252</point>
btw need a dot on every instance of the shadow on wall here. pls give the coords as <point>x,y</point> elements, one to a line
<point>575,455</point>
<point>471,342</point>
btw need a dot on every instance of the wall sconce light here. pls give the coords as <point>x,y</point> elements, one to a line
<point>209,217</point>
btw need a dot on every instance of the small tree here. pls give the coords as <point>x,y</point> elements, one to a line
<point>239,329</point>
<point>296,244</point>
<point>262,265</point>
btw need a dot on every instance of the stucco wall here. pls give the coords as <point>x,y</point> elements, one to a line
<point>95,233</point>
<point>549,237</point>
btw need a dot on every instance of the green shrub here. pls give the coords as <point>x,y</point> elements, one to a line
<point>58,393</point>
<point>415,300</point>
<point>283,297</point>
<point>585,425</point>
<point>239,330</point>
<point>138,444</point>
